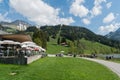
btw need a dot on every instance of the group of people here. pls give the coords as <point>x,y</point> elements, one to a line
<point>27,48</point>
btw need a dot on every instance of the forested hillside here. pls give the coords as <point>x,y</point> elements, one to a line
<point>114,35</point>
<point>75,33</point>
<point>71,39</point>
<point>81,46</point>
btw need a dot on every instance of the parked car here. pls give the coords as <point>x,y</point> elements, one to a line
<point>70,54</point>
<point>59,55</point>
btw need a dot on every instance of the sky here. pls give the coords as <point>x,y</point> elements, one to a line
<point>100,16</point>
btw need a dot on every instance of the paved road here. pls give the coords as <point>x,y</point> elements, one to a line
<point>115,67</point>
<point>51,55</point>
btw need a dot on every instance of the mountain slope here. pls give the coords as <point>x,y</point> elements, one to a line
<point>74,33</point>
<point>114,35</point>
<point>3,32</point>
<point>95,47</point>
<point>80,38</point>
<point>18,25</point>
<point>17,22</point>
<point>88,47</point>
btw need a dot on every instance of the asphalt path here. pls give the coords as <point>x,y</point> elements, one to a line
<point>115,67</point>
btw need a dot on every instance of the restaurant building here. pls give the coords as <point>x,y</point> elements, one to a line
<point>18,49</point>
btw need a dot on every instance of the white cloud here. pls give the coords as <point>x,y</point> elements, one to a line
<point>1,1</point>
<point>66,21</point>
<point>3,17</point>
<point>109,5</point>
<point>39,12</point>
<point>63,13</point>
<point>110,17</point>
<point>109,28</point>
<point>86,21</point>
<point>78,9</point>
<point>98,2</point>
<point>97,9</point>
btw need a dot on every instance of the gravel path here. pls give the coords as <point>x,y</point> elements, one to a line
<point>115,67</point>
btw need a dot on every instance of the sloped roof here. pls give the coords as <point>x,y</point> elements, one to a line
<point>16,37</point>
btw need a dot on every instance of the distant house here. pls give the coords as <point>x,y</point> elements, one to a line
<point>64,44</point>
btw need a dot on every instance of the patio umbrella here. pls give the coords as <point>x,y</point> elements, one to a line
<point>17,43</point>
<point>1,42</point>
<point>36,49</point>
<point>8,42</point>
<point>24,46</point>
<point>1,47</point>
<point>29,48</point>
<point>43,50</point>
<point>27,43</point>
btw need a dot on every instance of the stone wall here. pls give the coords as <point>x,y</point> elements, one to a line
<point>13,60</point>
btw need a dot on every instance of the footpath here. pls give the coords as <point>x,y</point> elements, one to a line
<point>115,67</point>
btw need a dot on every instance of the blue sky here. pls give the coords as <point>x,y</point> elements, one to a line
<point>100,16</point>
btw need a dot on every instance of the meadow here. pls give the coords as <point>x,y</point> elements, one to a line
<point>88,47</point>
<point>57,68</point>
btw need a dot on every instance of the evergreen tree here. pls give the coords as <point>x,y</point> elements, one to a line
<point>63,40</point>
<point>39,38</point>
<point>80,49</point>
<point>58,41</point>
<point>72,48</point>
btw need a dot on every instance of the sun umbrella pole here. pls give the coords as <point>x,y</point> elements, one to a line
<point>7,52</point>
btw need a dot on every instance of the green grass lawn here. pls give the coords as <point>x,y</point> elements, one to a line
<point>57,69</point>
<point>95,47</point>
<point>88,47</point>
<point>53,48</point>
<point>115,60</point>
